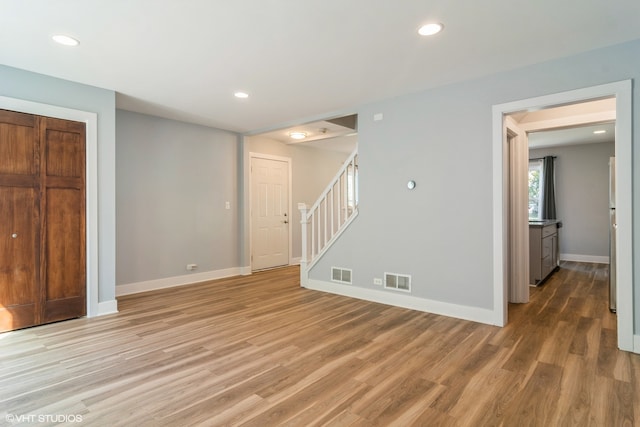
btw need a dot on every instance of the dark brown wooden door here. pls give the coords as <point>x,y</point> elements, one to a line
<point>42,220</point>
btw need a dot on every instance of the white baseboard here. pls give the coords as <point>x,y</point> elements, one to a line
<point>187,279</point>
<point>585,258</point>
<point>245,271</point>
<point>636,344</point>
<point>295,261</point>
<point>475,314</point>
<point>107,307</point>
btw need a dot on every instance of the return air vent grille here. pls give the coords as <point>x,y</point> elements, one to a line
<point>399,282</point>
<point>341,275</point>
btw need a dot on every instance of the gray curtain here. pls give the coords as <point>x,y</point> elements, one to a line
<point>548,188</point>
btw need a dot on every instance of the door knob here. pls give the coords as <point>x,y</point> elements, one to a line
<point>14,235</point>
<point>285,221</point>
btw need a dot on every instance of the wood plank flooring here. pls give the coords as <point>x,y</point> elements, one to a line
<point>261,351</point>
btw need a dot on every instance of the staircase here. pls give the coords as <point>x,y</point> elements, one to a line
<point>329,216</point>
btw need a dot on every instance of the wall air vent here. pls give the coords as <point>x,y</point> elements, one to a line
<point>398,282</point>
<point>341,275</point>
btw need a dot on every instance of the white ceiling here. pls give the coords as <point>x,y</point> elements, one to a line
<point>335,135</point>
<point>316,130</point>
<point>345,144</point>
<point>572,136</point>
<point>570,124</point>
<point>299,60</point>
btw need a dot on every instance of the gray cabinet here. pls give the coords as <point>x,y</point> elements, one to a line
<point>543,250</point>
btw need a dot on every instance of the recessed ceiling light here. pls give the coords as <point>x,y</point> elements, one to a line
<point>430,29</point>
<point>241,95</point>
<point>65,40</point>
<point>599,131</point>
<point>298,135</point>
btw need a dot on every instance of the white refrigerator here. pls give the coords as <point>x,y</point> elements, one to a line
<point>612,235</point>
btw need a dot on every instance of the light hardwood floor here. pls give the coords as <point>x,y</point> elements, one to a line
<point>261,351</point>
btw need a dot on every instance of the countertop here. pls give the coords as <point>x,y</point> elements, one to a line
<point>544,222</point>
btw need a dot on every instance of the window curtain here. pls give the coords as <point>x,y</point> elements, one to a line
<point>548,188</point>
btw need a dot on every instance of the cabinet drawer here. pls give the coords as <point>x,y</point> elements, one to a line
<point>549,230</point>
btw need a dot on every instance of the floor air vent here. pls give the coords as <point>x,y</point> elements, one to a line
<point>341,275</point>
<point>400,282</point>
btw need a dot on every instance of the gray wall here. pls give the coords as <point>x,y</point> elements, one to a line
<point>441,232</point>
<point>312,169</point>
<point>440,137</point>
<point>582,196</point>
<point>173,180</point>
<point>20,84</point>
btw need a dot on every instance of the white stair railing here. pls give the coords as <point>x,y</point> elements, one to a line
<point>329,216</point>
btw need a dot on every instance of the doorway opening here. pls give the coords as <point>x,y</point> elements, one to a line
<point>315,151</point>
<point>503,242</point>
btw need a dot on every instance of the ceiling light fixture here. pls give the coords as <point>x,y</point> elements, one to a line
<point>597,132</point>
<point>298,135</point>
<point>241,95</point>
<point>65,40</point>
<point>430,29</point>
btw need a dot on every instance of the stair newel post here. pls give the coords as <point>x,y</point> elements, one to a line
<point>304,221</point>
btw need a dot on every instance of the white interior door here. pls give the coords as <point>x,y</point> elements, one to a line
<point>270,218</point>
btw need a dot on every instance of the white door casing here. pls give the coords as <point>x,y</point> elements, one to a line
<point>622,91</point>
<point>91,189</point>
<point>518,229</point>
<point>270,214</point>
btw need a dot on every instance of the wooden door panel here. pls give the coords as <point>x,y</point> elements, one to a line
<point>18,150</point>
<point>19,290</point>
<point>64,223</point>
<point>17,245</point>
<point>65,154</point>
<point>64,309</point>
<point>17,317</point>
<point>42,220</point>
<point>64,268</point>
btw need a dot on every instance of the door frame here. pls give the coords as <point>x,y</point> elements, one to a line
<point>622,91</point>
<point>517,251</point>
<point>91,182</point>
<point>287,160</point>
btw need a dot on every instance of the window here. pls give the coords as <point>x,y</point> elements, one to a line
<point>535,189</point>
